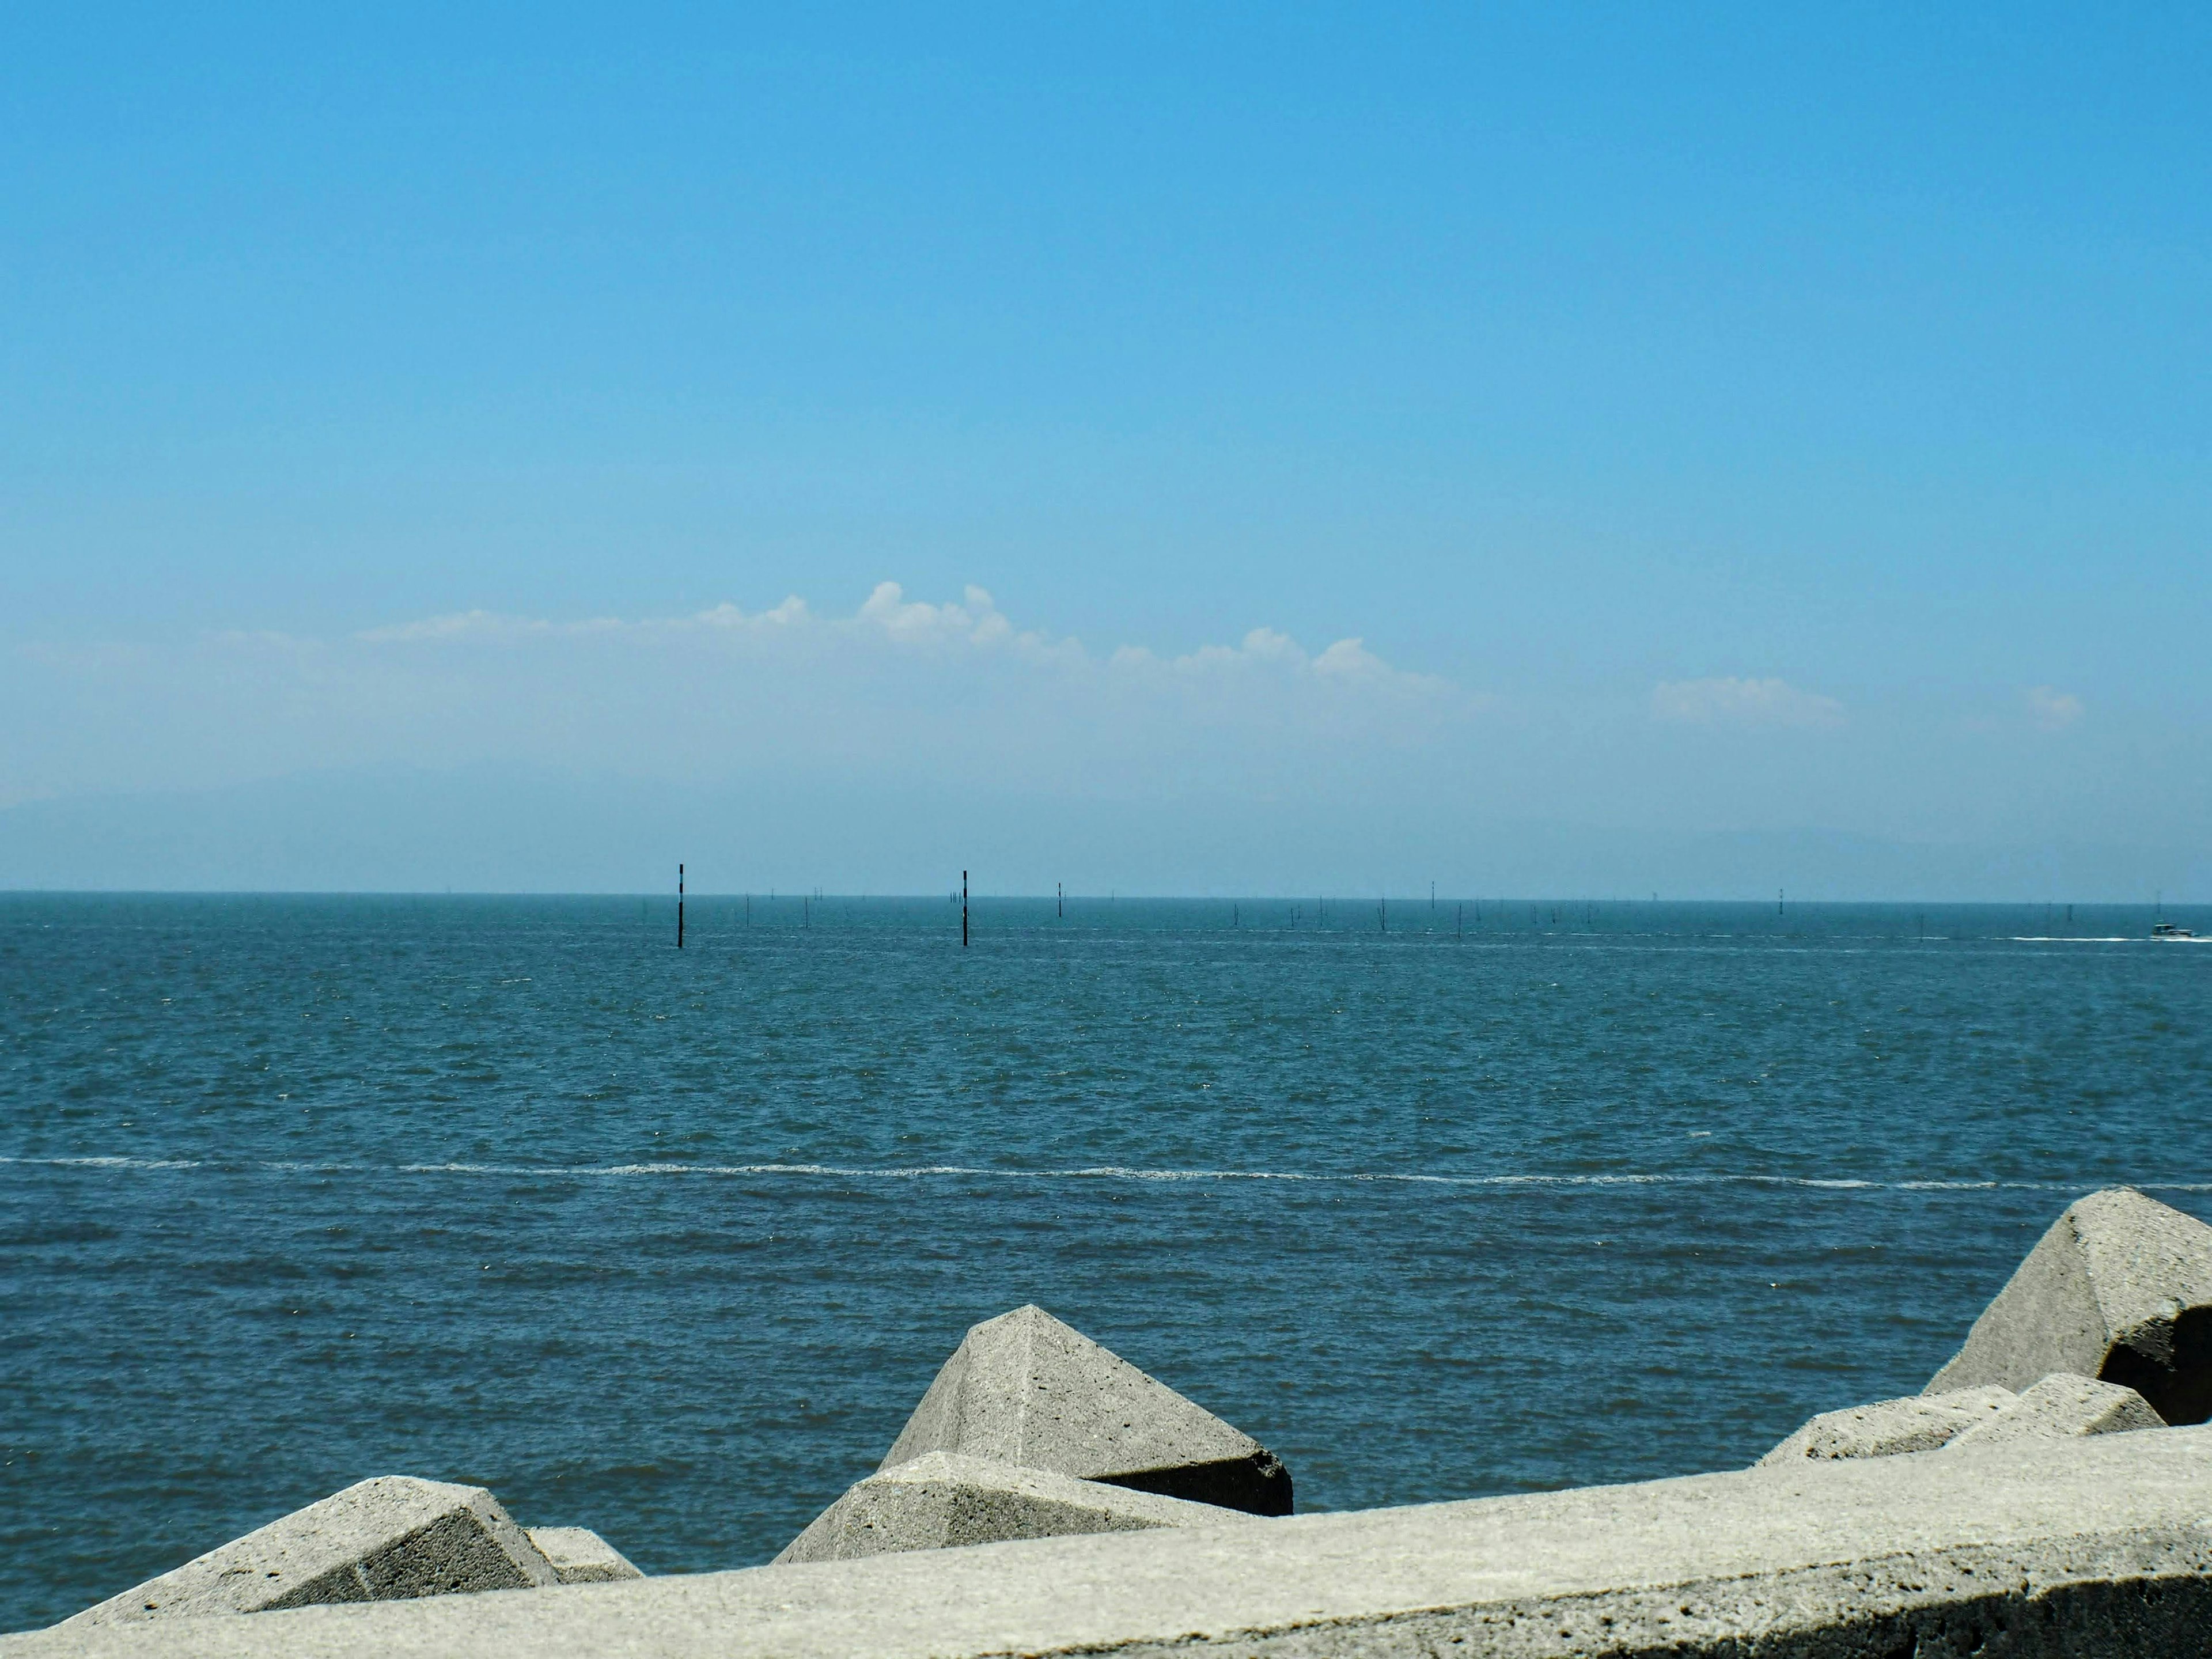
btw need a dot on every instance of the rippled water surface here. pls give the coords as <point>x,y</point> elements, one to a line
<point>297,1191</point>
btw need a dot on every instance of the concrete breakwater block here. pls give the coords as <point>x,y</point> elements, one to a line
<point>388,1539</point>
<point>942,1500</point>
<point>1025,1390</point>
<point>1919,1422</point>
<point>2060,1406</point>
<point>2061,1549</point>
<point>2120,1289</point>
<point>580,1556</point>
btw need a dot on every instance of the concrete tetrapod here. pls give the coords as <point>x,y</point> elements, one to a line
<point>2119,1289</point>
<point>2061,1406</point>
<point>2092,1548</point>
<point>388,1539</point>
<point>1919,1422</point>
<point>1024,1388</point>
<point>942,1500</point>
<point>580,1556</point>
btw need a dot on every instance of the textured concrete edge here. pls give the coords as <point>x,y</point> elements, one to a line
<point>398,1526</point>
<point>2147,1594</point>
<point>2079,1547</point>
<point>2119,1289</point>
<point>509,1537</point>
<point>580,1556</point>
<point>1833,1611</point>
<point>994,1501</point>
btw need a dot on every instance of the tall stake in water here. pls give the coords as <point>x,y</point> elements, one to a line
<point>680,907</point>
<point>964,909</point>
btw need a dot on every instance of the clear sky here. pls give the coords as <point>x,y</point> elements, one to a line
<point>1698,421</point>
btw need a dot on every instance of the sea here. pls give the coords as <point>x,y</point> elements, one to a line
<point>1437,1199</point>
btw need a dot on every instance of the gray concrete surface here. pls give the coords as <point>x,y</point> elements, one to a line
<point>580,1556</point>
<point>1919,1422</point>
<point>388,1539</point>
<point>942,1500</point>
<point>2119,1289</point>
<point>2094,1546</point>
<point>2059,1406</point>
<point>1024,1388</point>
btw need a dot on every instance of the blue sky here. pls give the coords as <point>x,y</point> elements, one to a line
<point>1706,421</point>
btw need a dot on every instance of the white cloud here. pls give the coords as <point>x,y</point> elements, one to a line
<point>976,621</point>
<point>1347,667</point>
<point>1751,704</point>
<point>792,613</point>
<point>2051,709</point>
<point>465,625</point>
<point>1351,659</point>
<point>896,687</point>
<point>887,618</point>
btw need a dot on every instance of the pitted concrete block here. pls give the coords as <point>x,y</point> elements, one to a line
<point>942,1500</point>
<point>1919,1422</point>
<point>2082,1548</point>
<point>1025,1390</point>
<point>384,1539</point>
<point>580,1556</point>
<point>2060,1406</point>
<point>2119,1289</point>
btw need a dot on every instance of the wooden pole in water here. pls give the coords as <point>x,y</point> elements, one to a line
<point>1059,899</point>
<point>680,907</point>
<point>964,909</point>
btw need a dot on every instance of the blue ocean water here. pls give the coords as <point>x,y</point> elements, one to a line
<point>294,1191</point>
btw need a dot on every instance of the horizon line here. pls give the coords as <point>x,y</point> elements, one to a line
<point>822,895</point>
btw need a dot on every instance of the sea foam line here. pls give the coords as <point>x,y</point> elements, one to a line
<point>1091,1172</point>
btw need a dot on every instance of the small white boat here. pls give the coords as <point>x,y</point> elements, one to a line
<point>2168,930</point>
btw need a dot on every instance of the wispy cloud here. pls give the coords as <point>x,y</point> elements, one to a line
<point>1743,703</point>
<point>895,686</point>
<point>888,620</point>
<point>2051,709</point>
<point>463,626</point>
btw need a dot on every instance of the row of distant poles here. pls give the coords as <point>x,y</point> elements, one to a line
<point>1060,908</point>
<point>1060,896</point>
<point>1381,909</point>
